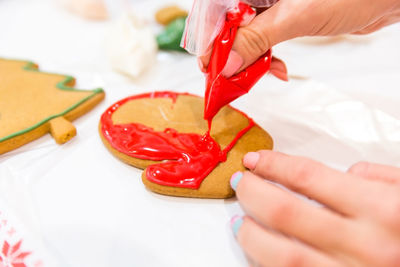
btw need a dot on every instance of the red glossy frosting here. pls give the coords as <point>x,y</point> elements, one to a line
<point>221,90</point>
<point>190,157</point>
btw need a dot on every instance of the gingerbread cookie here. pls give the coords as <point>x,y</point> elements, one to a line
<point>33,103</point>
<point>168,14</point>
<point>165,134</point>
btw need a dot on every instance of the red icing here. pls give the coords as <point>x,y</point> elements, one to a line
<point>191,157</point>
<point>220,90</point>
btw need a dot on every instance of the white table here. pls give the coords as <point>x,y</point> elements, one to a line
<point>86,208</point>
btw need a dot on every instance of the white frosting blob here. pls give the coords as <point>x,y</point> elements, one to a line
<point>131,46</point>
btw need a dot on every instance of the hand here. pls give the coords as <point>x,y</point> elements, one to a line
<point>358,224</point>
<point>289,19</point>
<point>89,9</point>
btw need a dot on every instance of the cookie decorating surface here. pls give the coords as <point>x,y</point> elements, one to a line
<point>151,128</point>
<point>33,103</point>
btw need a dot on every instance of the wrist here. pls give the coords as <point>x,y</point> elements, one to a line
<point>391,5</point>
<point>396,5</point>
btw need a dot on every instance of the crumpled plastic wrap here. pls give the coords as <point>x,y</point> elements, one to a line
<point>204,23</point>
<point>206,20</point>
<point>325,124</point>
<point>260,3</point>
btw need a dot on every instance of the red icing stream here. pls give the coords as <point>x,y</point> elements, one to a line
<point>190,157</point>
<point>187,157</point>
<point>221,90</point>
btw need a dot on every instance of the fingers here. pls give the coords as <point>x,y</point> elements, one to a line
<point>387,174</point>
<point>253,41</point>
<point>342,192</point>
<point>278,69</point>
<point>266,30</point>
<point>267,248</point>
<point>203,62</point>
<point>275,208</point>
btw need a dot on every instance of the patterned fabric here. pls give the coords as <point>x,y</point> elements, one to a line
<point>13,250</point>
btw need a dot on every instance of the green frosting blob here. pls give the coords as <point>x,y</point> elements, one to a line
<point>170,38</point>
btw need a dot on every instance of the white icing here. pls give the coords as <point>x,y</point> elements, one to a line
<point>131,46</point>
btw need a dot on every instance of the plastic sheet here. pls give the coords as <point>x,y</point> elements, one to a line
<point>206,20</point>
<point>90,209</point>
<point>325,124</point>
<point>204,23</point>
<point>19,227</point>
<point>260,3</point>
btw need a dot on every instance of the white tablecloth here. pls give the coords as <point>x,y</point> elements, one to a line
<point>80,206</point>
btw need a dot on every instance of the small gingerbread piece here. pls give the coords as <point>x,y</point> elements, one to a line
<point>168,14</point>
<point>33,103</point>
<point>62,130</point>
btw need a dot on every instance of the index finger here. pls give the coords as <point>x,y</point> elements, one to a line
<point>346,193</point>
<point>379,172</point>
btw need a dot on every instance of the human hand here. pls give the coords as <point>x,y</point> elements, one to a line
<point>358,224</point>
<point>89,9</point>
<point>289,19</point>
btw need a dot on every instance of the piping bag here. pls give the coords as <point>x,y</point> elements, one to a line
<point>221,90</point>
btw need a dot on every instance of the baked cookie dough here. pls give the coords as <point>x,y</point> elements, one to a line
<point>168,14</point>
<point>33,103</point>
<point>176,120</point>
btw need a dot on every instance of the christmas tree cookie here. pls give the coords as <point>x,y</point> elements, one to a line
<point>33,103</point>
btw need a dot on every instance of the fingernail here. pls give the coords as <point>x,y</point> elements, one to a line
<point>279,69</point>
<point>250,160</point>
<point>236,177</point>
<point>282,76</point>
<point>201,65</point>
<point>236,223</point>
<point>233,64</point>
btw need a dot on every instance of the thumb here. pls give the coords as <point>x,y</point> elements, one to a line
<point>254,40</point>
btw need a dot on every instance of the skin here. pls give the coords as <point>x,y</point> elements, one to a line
<point>289,19</point>
<point>358,224</point>
<point>359,220</point>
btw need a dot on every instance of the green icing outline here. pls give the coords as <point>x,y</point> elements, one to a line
<point>62,85</point>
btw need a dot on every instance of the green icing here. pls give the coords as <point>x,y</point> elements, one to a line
<point>170,38</point>
<point>30,66</point>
